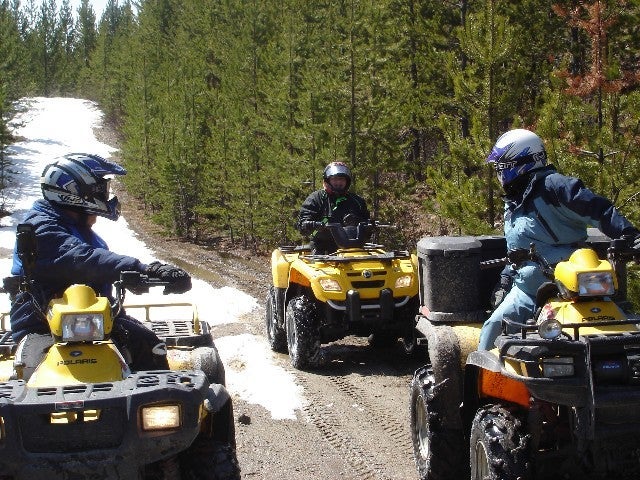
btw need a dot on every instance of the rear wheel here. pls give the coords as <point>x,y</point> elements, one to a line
<point>303,337</point>
<point>499,446</point>
<point>438,448</point>
<point>276,335</point>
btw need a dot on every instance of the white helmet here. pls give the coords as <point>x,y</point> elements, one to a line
<point>77,181</point>
<point>515,153</point>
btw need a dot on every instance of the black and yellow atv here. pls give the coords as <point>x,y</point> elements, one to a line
<point>558,397</point>
<point>82,413</point>
<point>362,289</point>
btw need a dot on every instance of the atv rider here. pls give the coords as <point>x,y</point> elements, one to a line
<point>76,190</point>
<point>545,208</point>
<point>331,204</point>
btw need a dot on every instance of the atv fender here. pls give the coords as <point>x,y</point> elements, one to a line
<point>484,359</point>
<point>486,378</point>
<point>217,397</point>
<point>444,356</point>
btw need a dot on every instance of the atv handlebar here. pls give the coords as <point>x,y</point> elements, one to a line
<point>619,250</point>
<point>139,282</point>
<point>515,257</point>
<point>353,234</point>
<point>317,225</point>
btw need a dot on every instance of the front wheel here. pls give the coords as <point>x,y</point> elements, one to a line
<point>408,315</point>
<point>499,446</point>
<point>303,337</point>
<point>276,335</point>
<point>438,448</point>
<point>217,461</point>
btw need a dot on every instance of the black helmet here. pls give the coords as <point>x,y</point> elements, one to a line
<point>336,169</point>
<point>77,181</point>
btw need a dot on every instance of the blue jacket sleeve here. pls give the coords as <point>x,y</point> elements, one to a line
<point>64,258</point>
<point>580,203</point>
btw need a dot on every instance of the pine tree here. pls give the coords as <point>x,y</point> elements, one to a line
<point>464,187</point>
<point>597,130</point>
<point>11,84</point>
<point>85,45</point>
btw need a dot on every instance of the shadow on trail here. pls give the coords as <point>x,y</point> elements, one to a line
<point>360,358</point>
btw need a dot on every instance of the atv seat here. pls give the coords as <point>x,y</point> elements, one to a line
<point>545,292</point>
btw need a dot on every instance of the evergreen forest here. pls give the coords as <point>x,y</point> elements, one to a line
<point>228,110</point>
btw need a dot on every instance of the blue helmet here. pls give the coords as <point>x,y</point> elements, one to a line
<point>516,153</point>
<point>78,181</point>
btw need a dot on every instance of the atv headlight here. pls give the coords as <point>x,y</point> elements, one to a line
<point>549,329</point>
<point>330,285</point>
<point>557,367</point>
<point>595,284</point>
<point>160,417</point>
<point>404,281</point>
<point>82,327</point>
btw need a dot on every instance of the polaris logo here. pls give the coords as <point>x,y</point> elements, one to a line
<point>75,353</point>
<point>367,274</point>
<point>599,318</point>
<point>78,361</point>
<point>595,310</point>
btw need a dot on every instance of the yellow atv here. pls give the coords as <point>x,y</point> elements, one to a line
<point>82,413</point>
<point>557,398</point>
<point>361,289</point>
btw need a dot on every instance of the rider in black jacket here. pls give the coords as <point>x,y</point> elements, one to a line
<point>330,205</point>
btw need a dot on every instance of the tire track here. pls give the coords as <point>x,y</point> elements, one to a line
<point>365,464</point>
<point>395,426</point>
<point>349,418</point>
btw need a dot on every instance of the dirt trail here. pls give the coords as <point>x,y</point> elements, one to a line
<point>355,424</point>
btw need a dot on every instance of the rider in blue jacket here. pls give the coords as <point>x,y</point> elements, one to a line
<point>75,192</point>
<point>545,208</point>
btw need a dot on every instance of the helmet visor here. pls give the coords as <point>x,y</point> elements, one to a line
<point>100,190</point>
<point>508,171</point>
<point>334,169</point>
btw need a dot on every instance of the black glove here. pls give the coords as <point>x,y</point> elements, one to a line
<point>179,280</point>
<point>307,227</point>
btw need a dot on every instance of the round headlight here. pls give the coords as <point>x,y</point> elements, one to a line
<point>550,329</point>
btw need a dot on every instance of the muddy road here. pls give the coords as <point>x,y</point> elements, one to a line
<point>354,424</point>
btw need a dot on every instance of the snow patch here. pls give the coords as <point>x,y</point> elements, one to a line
<point>251,374</point>
<point>51,127</point>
